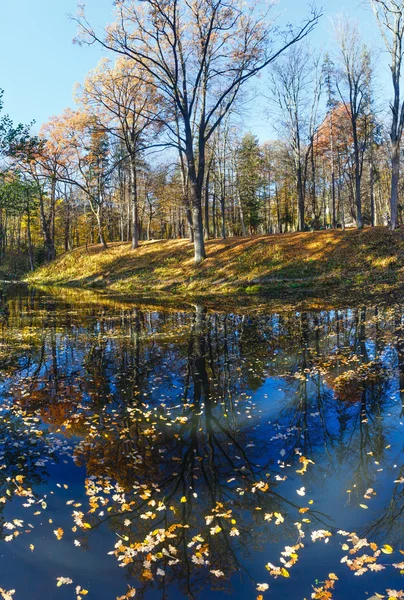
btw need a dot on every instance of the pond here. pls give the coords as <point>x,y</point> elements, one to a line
<point>158,454</point>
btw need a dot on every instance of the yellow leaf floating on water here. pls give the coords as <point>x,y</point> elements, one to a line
<point>183,499</point>
<point>7,595</point>
<point>63,581</point>
<point>306,462</point>
<point>59,533</point>
<point>131,593</point>
<point>387,549</point>
<point>215,530</point>
<point>31,547</point>
<point>284,572</point>
<point>147,574</point>
<point>363,506</point>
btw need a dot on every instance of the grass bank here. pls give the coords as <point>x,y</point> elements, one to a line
<point>323,265</point>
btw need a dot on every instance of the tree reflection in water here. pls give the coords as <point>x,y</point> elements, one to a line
<point>196,429</point>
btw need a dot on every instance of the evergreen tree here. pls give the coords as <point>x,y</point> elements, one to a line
<point>249,163</point>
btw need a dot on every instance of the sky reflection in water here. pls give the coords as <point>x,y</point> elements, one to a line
<point>178,454</point>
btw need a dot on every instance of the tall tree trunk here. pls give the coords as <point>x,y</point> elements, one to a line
<point>101,236</point>
<point>135,208</point>
<point>269,225</point>
<point>29,240</point>
<point>197,221</point>
<point>207,205</point>
<point>340,198</point>
<point>46,230</point>
<point>67,244</point>
<point>300,193</point>
<point>242,221</point>
<point>223,215</point>
<point>358,200</point>
<point>313,181</point>
<point>395,177</point>
<point>189,221</point>
<point>358,196</point>
<point>195,181</point>
<point>128,217</point>
<point>214,214</point>
<point>334,207</point>
<point>278,209</point>
<point>149,222</point>
<point>372,194</point>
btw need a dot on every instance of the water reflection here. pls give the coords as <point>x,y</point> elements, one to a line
<point>211,442</point>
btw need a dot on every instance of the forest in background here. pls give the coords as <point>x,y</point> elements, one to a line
<point>154,148</point>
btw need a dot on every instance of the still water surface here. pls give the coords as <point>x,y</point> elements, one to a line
<point>199,454</point>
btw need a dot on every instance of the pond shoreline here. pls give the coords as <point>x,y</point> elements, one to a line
<point>239,304</point>
<point>325,268</point>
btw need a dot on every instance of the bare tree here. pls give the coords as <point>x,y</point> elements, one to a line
<point>390,18</point>
<point>198,56</point>
<point>297,89</point>
<point>124,102</point>
<point>83,158</point>
<point>354,86</point>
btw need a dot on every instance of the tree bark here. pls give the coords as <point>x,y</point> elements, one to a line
<point>197,222</point>
<point>214,213</point>
<point>372,195</point>
<point>190,222</point>
<point>358,197</point>
<point>300,192</point>
<point>207,205</point>
<point>195,190</point>
<point>135,208</point>
<point>29,239</point>
<point>278,209</point>
<point>223,216</point>
<point>48,241</point>
<point>101,236</point>
<point>395,177</point>
<point>199,243</point>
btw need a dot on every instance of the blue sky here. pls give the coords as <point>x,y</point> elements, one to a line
<point>40,64</point>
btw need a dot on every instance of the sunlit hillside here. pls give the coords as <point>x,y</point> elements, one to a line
<point>294,262</point>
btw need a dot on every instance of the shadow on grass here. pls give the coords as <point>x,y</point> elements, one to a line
<point>313,259</point>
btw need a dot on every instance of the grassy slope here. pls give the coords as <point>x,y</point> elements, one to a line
<point>295,264</point>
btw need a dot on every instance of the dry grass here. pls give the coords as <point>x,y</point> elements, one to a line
<point>317,263</point>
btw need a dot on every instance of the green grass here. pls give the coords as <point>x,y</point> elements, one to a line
<point>317,264</point>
